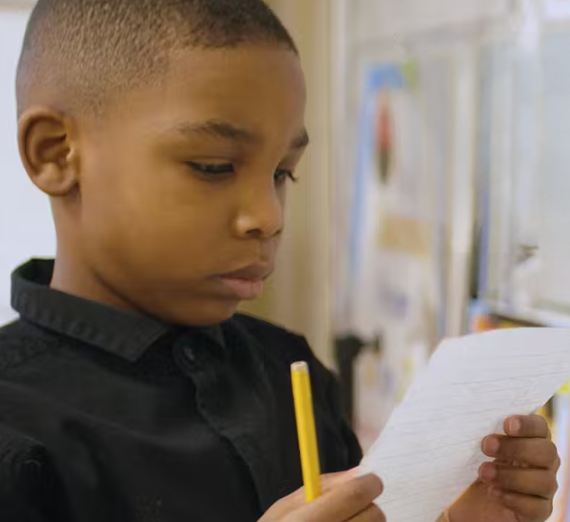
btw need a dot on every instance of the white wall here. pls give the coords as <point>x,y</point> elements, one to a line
<point>25,219</point>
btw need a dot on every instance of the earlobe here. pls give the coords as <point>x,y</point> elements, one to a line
<point>47,151</point>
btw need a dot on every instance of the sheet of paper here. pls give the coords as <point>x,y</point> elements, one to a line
<point>430,450</point>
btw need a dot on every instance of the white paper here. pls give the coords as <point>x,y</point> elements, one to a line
<point>430,450</point>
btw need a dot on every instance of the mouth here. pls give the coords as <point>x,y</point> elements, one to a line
<point>245,284</point>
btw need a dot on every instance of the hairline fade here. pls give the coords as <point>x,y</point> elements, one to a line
<point>86,51</point>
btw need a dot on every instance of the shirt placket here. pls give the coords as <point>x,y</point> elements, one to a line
<point>235,410</point>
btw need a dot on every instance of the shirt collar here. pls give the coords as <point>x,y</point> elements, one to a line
<point>122,332</point>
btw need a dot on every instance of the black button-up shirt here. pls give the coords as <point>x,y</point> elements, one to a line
<point>107,415</point>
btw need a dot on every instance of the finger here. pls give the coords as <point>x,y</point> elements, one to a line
<point>529,426</point>
<point>526,481</point>
<point>333,480</point>
<point>536,453</point>
<point>297,499</point>
<point>342,503</point>
<point>528,507</point>
<point>371,514</point>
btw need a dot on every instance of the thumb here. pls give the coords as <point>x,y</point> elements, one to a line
<point>297,499</point>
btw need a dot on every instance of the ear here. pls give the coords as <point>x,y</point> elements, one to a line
<point>49,155</point>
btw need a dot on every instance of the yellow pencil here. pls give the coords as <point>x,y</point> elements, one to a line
<point>306,430</point>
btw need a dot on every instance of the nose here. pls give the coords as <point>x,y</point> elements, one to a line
<point>260,213</point>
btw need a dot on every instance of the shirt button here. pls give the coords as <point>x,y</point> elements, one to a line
<point>190,354</point>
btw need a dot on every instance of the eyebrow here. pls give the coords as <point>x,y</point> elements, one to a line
<point>228,131</point>
<point>219,129</point>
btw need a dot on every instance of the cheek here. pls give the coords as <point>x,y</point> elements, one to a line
<point>154,210</point>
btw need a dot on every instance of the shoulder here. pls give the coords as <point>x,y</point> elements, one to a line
<point>21,342</point>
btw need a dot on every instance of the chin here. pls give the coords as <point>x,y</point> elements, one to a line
<point>210,314</point>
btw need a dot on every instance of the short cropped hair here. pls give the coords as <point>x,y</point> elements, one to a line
<point>87,50</point>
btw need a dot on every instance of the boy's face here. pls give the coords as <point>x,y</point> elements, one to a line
<point>183,184</point>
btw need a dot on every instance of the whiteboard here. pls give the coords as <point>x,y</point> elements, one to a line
<point>26,227</point>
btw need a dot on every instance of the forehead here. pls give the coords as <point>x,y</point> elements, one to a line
<point>256,87</point>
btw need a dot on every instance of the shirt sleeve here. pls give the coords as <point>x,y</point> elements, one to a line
<point>26,480</point>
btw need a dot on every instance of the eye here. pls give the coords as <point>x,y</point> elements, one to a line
<point>281,176</point>
<point>212,170</point>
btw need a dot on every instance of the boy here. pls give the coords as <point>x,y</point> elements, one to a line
<point>165,132</point>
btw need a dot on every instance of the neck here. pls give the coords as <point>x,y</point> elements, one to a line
<point>74,276</point>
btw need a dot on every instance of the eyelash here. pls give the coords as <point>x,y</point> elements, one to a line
<point>213,171</point>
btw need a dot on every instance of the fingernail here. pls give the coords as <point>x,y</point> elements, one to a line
<point>491,446</point>
<point>514,426</point>
<point>487,472</point>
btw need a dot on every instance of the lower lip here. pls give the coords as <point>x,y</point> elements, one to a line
<point>243,289</point>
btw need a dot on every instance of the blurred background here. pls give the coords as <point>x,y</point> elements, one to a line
<point>433,201</point>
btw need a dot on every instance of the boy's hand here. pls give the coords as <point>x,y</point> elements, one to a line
<point>520,484</point>
<point>344,499</point>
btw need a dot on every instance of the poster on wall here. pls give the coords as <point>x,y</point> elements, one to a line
<point>396,239</point>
